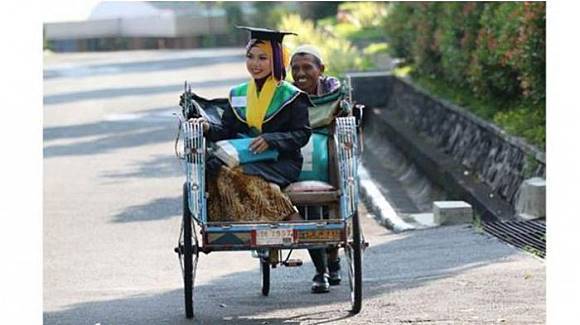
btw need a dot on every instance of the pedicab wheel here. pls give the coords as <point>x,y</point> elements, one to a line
<point>190,250</point>
<point>265,270</point>
<point>353,252</point>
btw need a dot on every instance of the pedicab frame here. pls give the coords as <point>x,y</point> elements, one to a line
<point>267,240</point>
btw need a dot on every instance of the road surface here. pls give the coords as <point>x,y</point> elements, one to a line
<point>112,205</point>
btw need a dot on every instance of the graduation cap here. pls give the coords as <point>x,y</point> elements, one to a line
<point>265,34</point>
<point>275,38</point>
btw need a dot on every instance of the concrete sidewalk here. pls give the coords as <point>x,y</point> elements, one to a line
<point>447,274</point>
<point>452,275</point>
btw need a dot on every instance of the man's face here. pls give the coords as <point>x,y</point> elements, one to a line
<point>306,72</point>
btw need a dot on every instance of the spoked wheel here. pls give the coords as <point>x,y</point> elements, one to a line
<point>265,269</point>
<point>353,252</point>
<point>188,251</point>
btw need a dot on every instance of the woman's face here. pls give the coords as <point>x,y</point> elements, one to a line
<point>258,63</point>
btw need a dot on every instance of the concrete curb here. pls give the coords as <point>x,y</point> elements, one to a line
<point>378,205</point>
<point>442,169</point>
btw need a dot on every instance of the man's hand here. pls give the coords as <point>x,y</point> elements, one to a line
<point>203,121</point>
<point>259,145</point>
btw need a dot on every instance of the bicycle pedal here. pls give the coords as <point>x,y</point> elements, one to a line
<point>293,263</point>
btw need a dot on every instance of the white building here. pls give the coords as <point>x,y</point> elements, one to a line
<point>140,24</point>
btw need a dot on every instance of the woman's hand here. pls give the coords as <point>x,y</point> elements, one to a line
<point>203,121</point>
<point>259,145</point>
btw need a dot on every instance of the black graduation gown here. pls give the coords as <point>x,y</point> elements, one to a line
<point>287,131</point>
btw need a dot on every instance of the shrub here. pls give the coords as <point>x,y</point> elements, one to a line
<point>315,10</point>
<point>400,29</point>
<point>490,74</point>
<point>269,13</point>
<point>457,31</point>
<point>345,57</point>
<point>493,50</point>
<point>359,22</point>
<point>362,14</point>
<point>425,50</point>
<point>376,48</point>
<point>529,53</point>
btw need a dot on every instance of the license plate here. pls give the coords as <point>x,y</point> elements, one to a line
<point>274,237</point>
<point>320,235</point>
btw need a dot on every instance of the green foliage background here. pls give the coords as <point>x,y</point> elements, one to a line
<point>340,52</point>
<point>349,42</point>
<point>488,56</point>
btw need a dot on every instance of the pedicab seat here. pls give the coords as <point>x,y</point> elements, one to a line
<point>318,182</point>
<point>319,186</point>
<point>312,193</point>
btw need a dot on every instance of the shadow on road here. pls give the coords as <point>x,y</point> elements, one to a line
<point>157,167</point>
<point>148,127</point>
<point>146,135</point>
<point>155,210</point>
<point>137,67</point>
<point>145,118</point>
<point>110,93</point>
<point>404,263</point>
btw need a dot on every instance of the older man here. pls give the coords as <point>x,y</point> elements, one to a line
<point>308,74</point>
<point>308,71</point>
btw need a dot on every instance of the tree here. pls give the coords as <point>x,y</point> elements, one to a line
<point>315,10</point>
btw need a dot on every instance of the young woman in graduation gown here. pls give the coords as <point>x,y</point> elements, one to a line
<point>275,114</point>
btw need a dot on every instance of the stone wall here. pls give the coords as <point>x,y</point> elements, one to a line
<point>501,161</point>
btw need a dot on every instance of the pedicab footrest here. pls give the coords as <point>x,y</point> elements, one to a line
<point>253,236</point>
<point>292,262</point>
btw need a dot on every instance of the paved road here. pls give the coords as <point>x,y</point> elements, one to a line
<point>112,200</point>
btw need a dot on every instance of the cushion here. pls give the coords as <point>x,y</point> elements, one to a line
<point>309,186</point>
<point>315,154</point>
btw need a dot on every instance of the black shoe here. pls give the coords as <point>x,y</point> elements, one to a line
<point>320,283</point>
<point>334,272</point>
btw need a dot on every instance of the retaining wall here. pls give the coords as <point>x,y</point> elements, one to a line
<point>496,160</point>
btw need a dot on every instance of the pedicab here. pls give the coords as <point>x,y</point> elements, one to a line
<point>339,146</point>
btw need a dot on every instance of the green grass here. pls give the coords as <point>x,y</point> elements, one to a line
<point>403,71</point>
<point>367,34</point>
<point>326,22</point>
<point>345,30</point>
<point>477,225</point>
<point>533,250</point>
<point>376,48</point>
